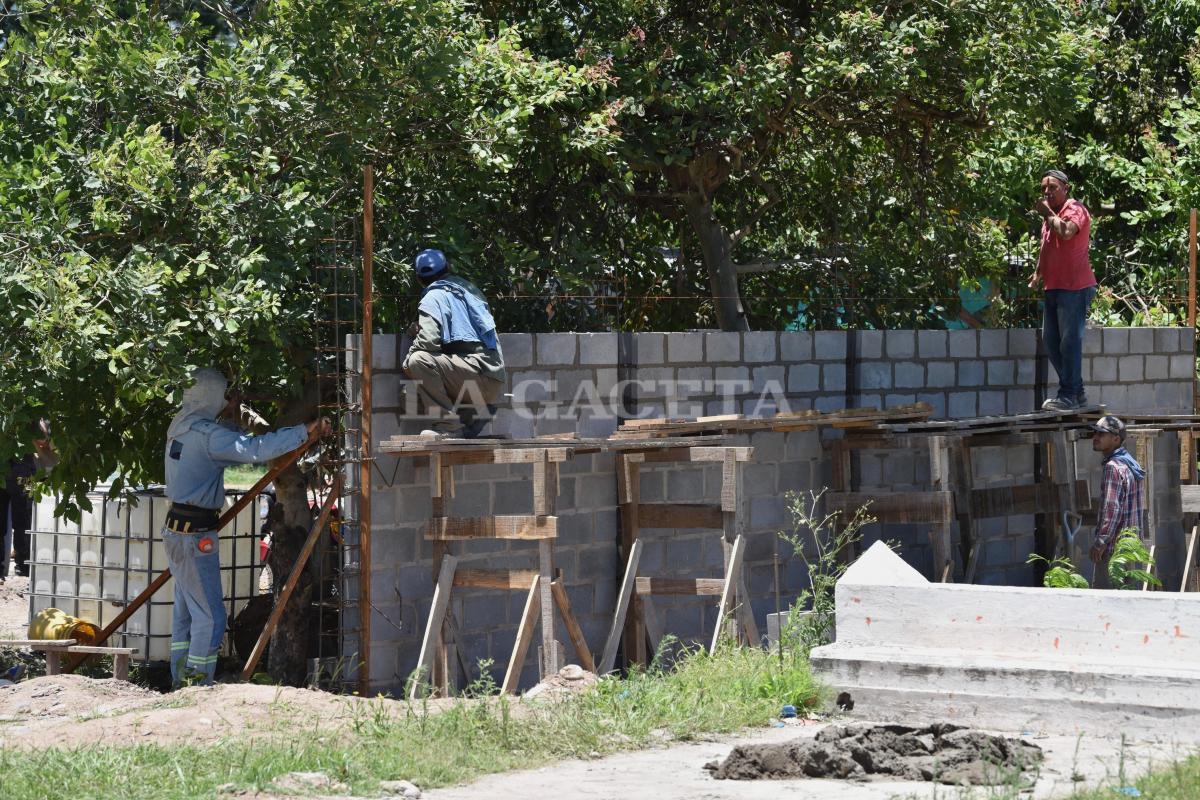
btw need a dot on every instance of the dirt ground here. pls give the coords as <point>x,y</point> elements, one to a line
<point>70,710</point>
<point>14,608</point>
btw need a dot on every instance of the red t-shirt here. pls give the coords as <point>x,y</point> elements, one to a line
<point>1064,263</point>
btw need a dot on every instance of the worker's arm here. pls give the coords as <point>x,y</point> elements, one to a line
<point>226,446</point>
<point>1066,221</point>
<point>428,338</point>
<point>1109,513</point>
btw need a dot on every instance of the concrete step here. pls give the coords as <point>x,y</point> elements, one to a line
<point>1040,694</point>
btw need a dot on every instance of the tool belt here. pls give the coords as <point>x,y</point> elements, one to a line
<point>182,518</point>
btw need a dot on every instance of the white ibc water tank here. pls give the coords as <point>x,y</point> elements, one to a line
<point>93,568</point>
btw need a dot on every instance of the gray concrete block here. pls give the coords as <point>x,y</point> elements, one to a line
<point>1001,372</point>
<point>993,343</point>
<point>533,386</point>
<point>650,348</point>
<point>1141,340</point>
<point>1131,369</point>
<point>1166,340</point>
<point>991,402</point>
<point>685,485</point>
<point>1093,341</point>
<point>935,399</point>
<point>412,504</point>
<point>595,491</point>
<point>829,345</point>
<point>1116,341</point>
<point>891,400</point>
<point>940,374</point>
<point>806,377</point>
<point>1020,401</point>
<point>827,403</point>
<point>517,349</point>
<point>795,346</point>
<point>1157,368</point>
<point>759,346</point>
<point>932,344</point>
<point>723,346</point>
<point>1173,397</point>
<point>909,375</point>
<point>1115,396</point>
<point>769,447</point>
<point>804,446</point>
<point>1183,367</point>
<point>961,405</point>
<point>556,349</point>
<point>875,375</point>
<point>757,480</point>
<point>597,348</point>
<point>1104,369</point>
<point>833,378</point>
<point>604,524</point>
<point>770,379</point>
<point>901,344</point>
<point>1141,396</point>
<point>685,348</point>
<point>684,554</point>
<point>383,351</point>
<point>970,373</point>
<point>732,380</point>
<point>795,477</point>
<point>963,344</point>
<point>870,344</point>
<point>1022,342</point>
<point>1027,371</point>
<point>598,562</point>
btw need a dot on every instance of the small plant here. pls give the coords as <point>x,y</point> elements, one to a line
<point>829,548</point>
<point>1125,567</point>
<point>1060,573</point>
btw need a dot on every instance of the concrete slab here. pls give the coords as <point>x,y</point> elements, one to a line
<point>676,773</point>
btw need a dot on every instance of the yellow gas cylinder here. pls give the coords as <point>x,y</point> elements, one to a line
<point>51,623</point>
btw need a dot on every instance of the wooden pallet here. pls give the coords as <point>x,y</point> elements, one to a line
<point>785,422</point>
<point>1034,420</point>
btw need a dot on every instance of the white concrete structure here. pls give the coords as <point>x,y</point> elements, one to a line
<point>1057,660</point>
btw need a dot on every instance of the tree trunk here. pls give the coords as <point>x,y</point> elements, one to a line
<point>715,250</point>
<point>291,522</point>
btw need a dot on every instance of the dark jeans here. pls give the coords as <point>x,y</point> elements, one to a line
<point>15,504</point>
<point>1066,315</point>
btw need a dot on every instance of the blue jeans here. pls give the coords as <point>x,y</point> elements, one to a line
<point>1066,315</point>
<point>198,624</point>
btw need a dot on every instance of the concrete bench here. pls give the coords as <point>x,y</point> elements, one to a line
<point>54,649</point>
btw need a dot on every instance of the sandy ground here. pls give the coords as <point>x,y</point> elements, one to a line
<point>71,710</point>
<point>14,608</point>
<point>677,773</point>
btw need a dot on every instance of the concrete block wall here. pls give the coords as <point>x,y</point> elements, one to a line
<point>586,382</point>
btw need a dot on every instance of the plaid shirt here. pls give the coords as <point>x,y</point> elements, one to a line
<point>1120,502</point>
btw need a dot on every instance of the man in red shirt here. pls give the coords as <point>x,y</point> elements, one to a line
<point>1063,268</point>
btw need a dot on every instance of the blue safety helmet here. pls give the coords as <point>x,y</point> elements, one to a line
<point>430,264</point>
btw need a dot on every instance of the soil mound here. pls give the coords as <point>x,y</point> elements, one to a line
<point>942,753</point>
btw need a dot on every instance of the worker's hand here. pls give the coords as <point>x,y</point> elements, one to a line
<point>412,331</point>
<point>1043,208</point>
<point>1096,554</point>
<point>1035,280</point>
<point>319,427</point>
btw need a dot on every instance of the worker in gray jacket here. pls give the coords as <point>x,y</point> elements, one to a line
<point>455,358</point>
<point>200,445</point>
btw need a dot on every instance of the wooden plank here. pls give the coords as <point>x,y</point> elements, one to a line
<point>103,651</point>
<point>963,473</point>
<point>693,587</point>
<point>39,644</point>
<point>551,658</point>
<point>654,626</point>
<point>731,573</point>
<point>745,613</point>
<point>433,630</point>
<point>609,656</point>
<point>1189,496</point>
<point>1041,498</point>
<point>495,578</point>
<point>629,489</point>
<point>1149,569</point>
<point>1190,560</point>
<point>285,594</point>
<point>529,617</point>
<point>939,534</point>
<point>520,526</point>
<point>698,454</point>
<point>894,506</point>
<point>679,515</point>
<point>729,482</point>
<point>572,625</point>
<point>556,455</point>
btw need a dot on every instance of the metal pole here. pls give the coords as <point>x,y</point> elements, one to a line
<point>364,487</point>
<point>1192,272</point>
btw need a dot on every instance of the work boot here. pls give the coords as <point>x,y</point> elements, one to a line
<point>475,427</point>
<point>1059,404</point>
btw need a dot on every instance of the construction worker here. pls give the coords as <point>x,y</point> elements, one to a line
<point>1120,494</point>
<point>1066,273</point>
<point>455,358</point>
<point>200,445</point>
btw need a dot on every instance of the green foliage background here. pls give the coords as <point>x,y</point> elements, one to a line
<point>173,174</point>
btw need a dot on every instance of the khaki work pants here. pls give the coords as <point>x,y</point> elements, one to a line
<point>450,387</point>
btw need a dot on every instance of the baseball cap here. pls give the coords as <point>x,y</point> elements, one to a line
<point>430,263</point>
<point>1109,424</point>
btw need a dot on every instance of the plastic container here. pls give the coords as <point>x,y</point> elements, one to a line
<point>89,551</point>
<point>43,546</point>
<point>53,623</point>
<point>89,582</point>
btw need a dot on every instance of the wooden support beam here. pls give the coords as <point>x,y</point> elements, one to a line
<point>939,535</point>
<point>653,625</point>
<point>285,594</point>
<point>1190,560</point>
<point>495,578</point>
<point>521,526</point>
<point>745,613</point>
<point>433,630</point>
<point>551,657</point>
<point>572,625</point>
<point>707,587</point>
<point>537,455</point>
<point>697,454</point>
<point>609,657</point>
<point>1041,498</point>
<point>529,618</point>
<point>895,506</point>
<point>629,490</point>
<point>679,515</point>
<point>727,592</point>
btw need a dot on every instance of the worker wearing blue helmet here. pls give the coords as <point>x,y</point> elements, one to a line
<point>455,358</point>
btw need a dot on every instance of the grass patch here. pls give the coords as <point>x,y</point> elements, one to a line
<point>1179,780</point>
<point>243,476</point>
<point>699,695</point>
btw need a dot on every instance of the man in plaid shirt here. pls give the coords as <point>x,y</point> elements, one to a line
<point>1120,494</point>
